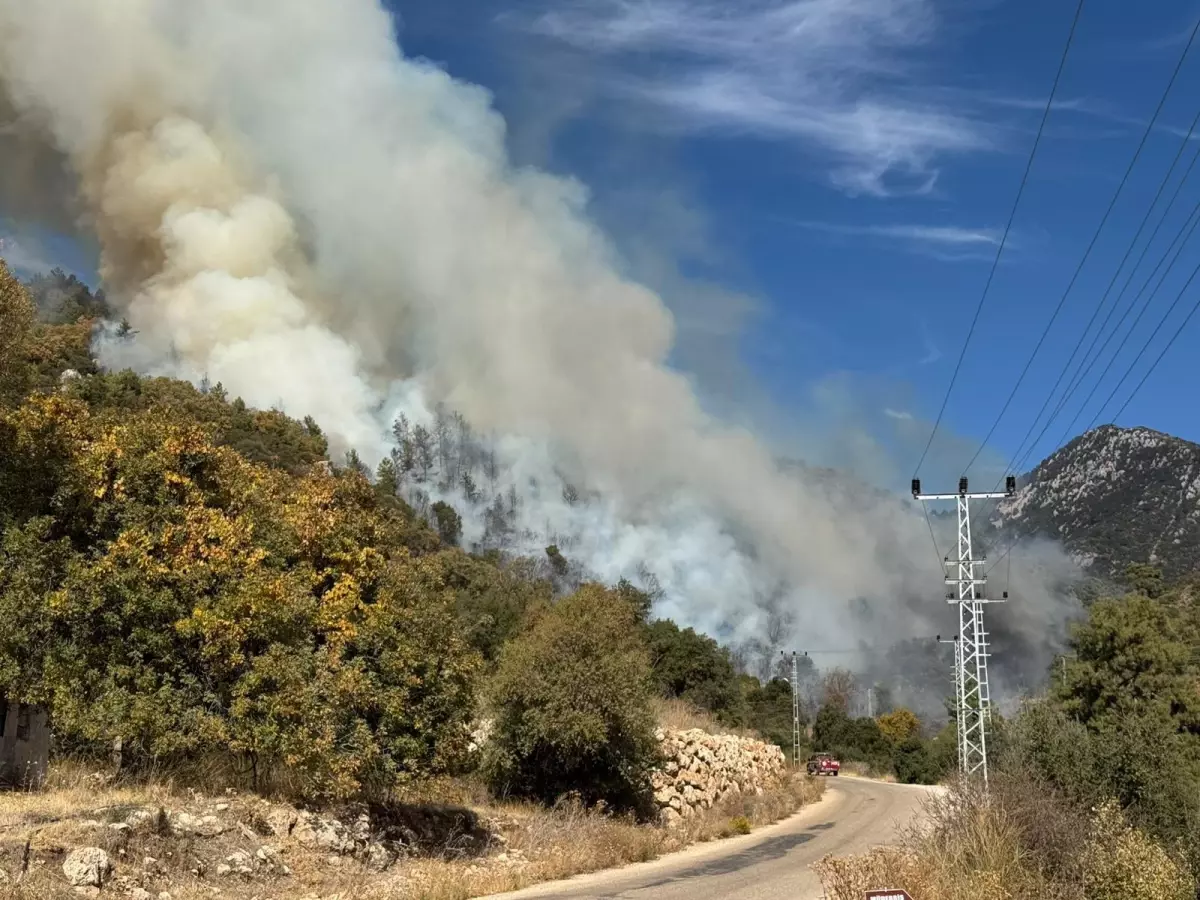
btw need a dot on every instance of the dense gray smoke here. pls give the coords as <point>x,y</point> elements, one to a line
<point>287,205</point>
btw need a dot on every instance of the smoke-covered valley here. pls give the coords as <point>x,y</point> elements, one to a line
<point>287,205</point>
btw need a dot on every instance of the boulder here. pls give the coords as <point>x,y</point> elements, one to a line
<point>87,867</point>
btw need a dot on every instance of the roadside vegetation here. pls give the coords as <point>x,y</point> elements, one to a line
<point>1096,788</point>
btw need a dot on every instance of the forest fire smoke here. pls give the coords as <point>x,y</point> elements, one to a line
<point>287,204</point>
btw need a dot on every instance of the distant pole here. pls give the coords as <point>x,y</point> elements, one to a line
<point>974,699</point>
<point>795,683</point>
<point>870,705</point>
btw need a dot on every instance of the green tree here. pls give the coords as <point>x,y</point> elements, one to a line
<point>913,762</point>
<point>1144,763</point>
<point>495,599</point>
<point>448,522</point>
<point>768,710</point>
<point>1131,658</point>
<point>641,601</point>
<point>694,668</point>
<point>571,701</point>
<point>854,740</point>
<point>1145,579</point>
<point>16,323</point>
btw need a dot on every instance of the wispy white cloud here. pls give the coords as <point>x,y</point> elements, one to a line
<point>900,414</point>
<point>949,243</point>
<point>835,75</point>
<point>951,235</point>
<point>933,353</point>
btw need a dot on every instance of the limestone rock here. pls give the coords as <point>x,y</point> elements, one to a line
<point>87,867</point>
<point>699,769</point>
<point>237,863</point>
<point>379,858</point>
<point>184,823</point>
<point>281,821</point>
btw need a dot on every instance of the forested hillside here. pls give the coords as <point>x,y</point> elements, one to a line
<point>184,575</point>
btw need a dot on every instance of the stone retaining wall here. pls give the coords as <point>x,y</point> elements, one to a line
<point>702,769</point>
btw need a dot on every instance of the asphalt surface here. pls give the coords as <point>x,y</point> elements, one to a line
<point>853,816</point>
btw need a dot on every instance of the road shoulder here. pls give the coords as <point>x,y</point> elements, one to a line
<point>696,853</point>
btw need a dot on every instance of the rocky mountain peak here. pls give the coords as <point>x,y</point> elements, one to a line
<point>1115,496</point>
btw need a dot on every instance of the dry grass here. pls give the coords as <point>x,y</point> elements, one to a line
<point>532,844</point>
<point>571,841</point>
<point>1019,841</point>
<point>679,715</point>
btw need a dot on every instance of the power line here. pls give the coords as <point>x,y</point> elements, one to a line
<point>1195,221</point>
<point>1004,238</point>
<point>1145,377</point>
<point>1089,361</point>
<point>1178,331</point>
<point>1019,460</point>
<point>1146,345</point>
<point>1086,255</point>
<point>936,552</point>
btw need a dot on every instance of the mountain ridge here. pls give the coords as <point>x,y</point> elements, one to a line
<point>1114,496</point>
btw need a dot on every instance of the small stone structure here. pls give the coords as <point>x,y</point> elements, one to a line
<point>701,769</point>
<point>24,744</point>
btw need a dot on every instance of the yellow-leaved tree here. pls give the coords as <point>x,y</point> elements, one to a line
<point>162,589</point>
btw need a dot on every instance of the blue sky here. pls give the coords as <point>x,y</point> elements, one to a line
<point>817,187</point>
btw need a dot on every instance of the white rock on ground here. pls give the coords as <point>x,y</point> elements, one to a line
<point>87,867</point>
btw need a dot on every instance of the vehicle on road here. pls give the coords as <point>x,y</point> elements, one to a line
<point>823,764</point>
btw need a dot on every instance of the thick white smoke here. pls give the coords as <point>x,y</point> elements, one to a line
<point>288,205</point>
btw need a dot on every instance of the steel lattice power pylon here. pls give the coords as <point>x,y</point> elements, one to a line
<point>795,684</point>
<point>971,655</point>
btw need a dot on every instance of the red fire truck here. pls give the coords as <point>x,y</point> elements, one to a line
<point>823,764</point>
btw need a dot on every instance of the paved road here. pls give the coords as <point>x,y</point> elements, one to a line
<point>854,816</point>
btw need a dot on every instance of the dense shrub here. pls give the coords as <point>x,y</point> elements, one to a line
<point>17,315</point>
<point>768,711</point>
<point>571,702</point>
<point>913,763</point>
<point>1121,863</point>
<point>1145,765</point>
<point>695,668</point>
<point>163,590</point>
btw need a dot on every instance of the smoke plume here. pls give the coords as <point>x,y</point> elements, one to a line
<point>288,205</point>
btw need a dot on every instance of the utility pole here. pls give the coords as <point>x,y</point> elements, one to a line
<point>974,699</point>
<point>795,683</point>
<point>956,677</point>
<point>870,705</point>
